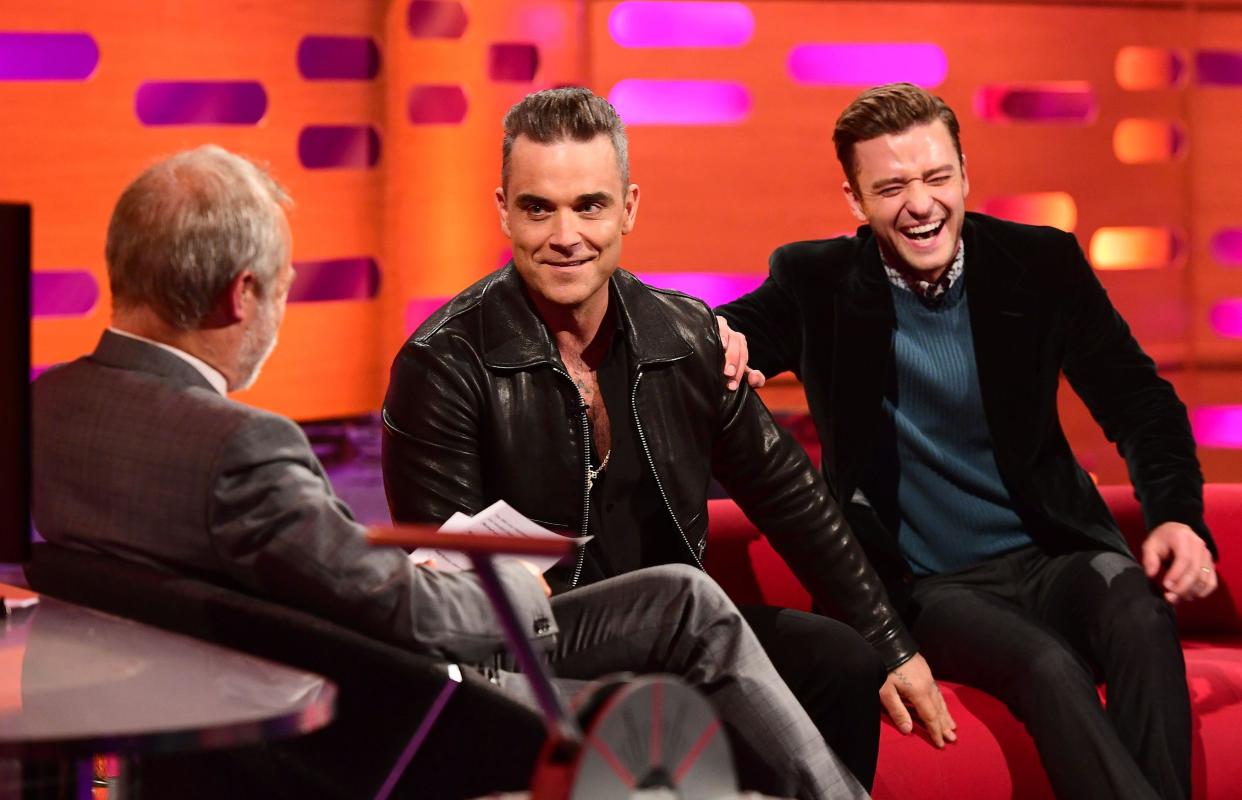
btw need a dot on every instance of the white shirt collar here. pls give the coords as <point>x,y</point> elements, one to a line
<point>213,375</point>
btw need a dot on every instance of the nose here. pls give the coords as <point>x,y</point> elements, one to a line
<point>919,201</point>
<point>565,236</point>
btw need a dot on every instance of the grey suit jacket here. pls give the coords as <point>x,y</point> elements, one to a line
<point>137,457</point>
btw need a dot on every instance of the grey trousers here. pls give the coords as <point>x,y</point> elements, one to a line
<point>675,619</point>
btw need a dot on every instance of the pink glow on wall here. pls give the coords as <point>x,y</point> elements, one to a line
<point>418,309</point>
<point>436,19</point>
<point>1227,247</point>
<point>714,288</point>
<point>1217,426</point>
<point>1226,317</point>
<point>1056,209</point>
<point>868,64</point>
<point>1218,67</point>
<point>63,293</point>
<point>47,56</point>
<point>647,102</point>
<point>430,104</point>
<point>200,102</point>
<point>642,24</point>
<point>512,61</point>
<point>1071,102</point>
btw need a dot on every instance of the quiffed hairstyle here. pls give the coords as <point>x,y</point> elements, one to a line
<point>189,225</point>
<point>555,115</point>
<point>892,108</point>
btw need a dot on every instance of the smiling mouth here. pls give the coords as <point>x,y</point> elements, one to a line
<point>923,232</point>
<point>567,264</point>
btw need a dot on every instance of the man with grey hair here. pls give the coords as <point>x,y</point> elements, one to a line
<point>593,403</point>
<point>139,454</point>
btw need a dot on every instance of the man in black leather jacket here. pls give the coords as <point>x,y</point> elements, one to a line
<point>595,404</point>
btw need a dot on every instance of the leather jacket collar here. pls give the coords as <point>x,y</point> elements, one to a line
<point>514,337</point>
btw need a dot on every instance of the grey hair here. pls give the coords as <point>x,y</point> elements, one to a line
<point>189,225</point>
<point>554,115</point>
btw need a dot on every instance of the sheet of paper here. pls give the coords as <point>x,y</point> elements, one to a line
<point>499,517</point>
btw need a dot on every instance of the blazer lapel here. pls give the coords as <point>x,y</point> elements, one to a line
<point>865,318</point>
<point>1006,330</point>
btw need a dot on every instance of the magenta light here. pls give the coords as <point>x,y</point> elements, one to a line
<point>1218,67</point>
<point>643,102</point>
<point>1226,317</point>
<point>418,309</point>
<point>1217,426</point>
<point>713,288</point>
<point>642,24</point>
<point>1053,101</point>
<point>47,56</point>
<point>868,64</point>
<point>1227,247</point>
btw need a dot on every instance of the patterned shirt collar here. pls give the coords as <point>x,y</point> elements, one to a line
<point>929,292</point>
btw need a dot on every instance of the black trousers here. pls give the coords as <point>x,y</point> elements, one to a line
<point>836,676</point>
<point>1039,632</point>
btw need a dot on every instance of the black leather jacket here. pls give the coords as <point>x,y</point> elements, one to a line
<point>480,407</point>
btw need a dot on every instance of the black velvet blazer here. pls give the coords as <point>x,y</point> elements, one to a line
<point>1036,311</point>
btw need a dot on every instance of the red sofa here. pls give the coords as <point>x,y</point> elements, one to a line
<point>994,757</point>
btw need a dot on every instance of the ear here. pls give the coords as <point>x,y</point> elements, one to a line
<point>503,209</point>
<point>241,296</point>
<point>853,201</point>
<point>631,208</point>
<point>965,179</point>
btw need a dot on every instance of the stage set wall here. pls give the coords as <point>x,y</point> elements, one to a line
<point>1118,121</point>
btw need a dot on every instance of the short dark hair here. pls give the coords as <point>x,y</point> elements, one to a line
<point>554,115</point>
<point>187,226</point>
<point>891,108</point>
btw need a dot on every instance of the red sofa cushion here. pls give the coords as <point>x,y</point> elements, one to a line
<point>994,757</point>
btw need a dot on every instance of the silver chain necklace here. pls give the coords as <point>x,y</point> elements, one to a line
<point>594,472</point>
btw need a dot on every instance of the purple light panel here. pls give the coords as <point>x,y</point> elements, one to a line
<point>1217,426</point>
<point>200,102</point>
<point>436,19</point>
<point>512,62</point>
<point>1218,67</point>
<point>644,102</point>
<point>642,24</point>
<point>436,105</point>
<point>868,64</point>
<point>338,147</point>
<point>1227,247</point>
<point>346,58</point>
<point>1070,102</point>
<point>335,279</point>
<point>418,309</point>
<point>47,56</point>
<point>714,288</point>
<point>1226,317</point>
<point>62,293</point>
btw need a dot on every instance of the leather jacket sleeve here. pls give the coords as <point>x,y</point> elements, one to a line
<point>773,481</point>
<point>431,461</point>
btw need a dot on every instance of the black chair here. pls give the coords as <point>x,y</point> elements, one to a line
<point>483,741</point>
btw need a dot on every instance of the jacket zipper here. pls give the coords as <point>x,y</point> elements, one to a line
<point>642,438</point>
<point>586,475</point>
